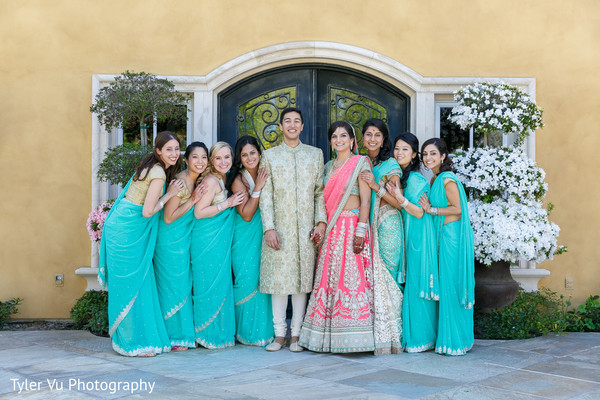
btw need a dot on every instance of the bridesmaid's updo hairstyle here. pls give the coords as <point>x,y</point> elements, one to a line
<point>415,163</point>
<point>211,156</point>
<point>386,148</point>
<point>237,166</point>
<point>191,147</point>
<point>153,158</point>
<point>447,164</point>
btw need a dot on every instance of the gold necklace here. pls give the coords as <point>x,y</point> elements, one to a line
<point>344,163</point>
<point>336,170</point>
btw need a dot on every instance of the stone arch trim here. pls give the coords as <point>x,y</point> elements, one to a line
<point>337,54</point>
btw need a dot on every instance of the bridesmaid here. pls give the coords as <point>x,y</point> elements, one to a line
<point>388,238</point>
<point>136,325</point>
<point>253,313</point>
<point>448,204</point>
<point>419,308</point>
<point>212,236</point>
<point>172,253</point>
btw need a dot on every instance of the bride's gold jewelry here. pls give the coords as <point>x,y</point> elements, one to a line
<point>335,170</point>
<point>335,163</point>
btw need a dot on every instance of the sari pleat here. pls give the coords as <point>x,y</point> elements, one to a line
<point>212,293</point>
<point>421,292</point>
<point>174,278</point>
<point>253,312</point>
<point>127,246</point>
<point>456,273</point>
<point>388,266</point>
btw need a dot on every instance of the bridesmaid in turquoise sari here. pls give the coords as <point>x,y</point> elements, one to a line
<point>136,325</point>
<point>388,238</point>
<point>421,291</point>
<point>448,205</point>
<point>172,253</point>
<point>253,313</point>
<point>212,236</point>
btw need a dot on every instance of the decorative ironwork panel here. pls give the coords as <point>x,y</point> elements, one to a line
<point>355,109</point>
<point>259,117</point>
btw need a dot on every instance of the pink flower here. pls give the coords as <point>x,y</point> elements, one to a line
<point>95,221</point>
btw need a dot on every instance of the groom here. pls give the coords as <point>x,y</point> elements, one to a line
<point>294,220</point>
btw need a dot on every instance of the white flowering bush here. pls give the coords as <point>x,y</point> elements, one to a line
<point>509,231</point>
<point>492,173</point>
<point>505,187</point>
<point>490,107</point>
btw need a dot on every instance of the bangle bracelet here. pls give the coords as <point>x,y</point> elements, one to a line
<point>220,207</point>
<point>404,203</point>
<point>381,192</point>
<point>256,195</point>
<point>160,203</point>
<point>433,211</point>
<point>361,229</point>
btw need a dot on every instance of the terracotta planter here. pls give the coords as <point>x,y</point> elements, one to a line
<point>494,286</point>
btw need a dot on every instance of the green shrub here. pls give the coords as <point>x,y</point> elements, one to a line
<point>8,308</point>
<point>586,317</point>
<point>119,163</point>
<point>91,312</point>
<point>532,314</point>
<point>538,313</point>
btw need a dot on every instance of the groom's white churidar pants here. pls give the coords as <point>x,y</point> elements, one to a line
<point>280,303</point>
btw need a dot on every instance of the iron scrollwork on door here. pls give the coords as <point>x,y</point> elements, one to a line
<point>259,117</point>
<point>345,105</point>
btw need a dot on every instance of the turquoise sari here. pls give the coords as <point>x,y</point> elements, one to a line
<point>214,314</point>
<point>388,265</point>
<point>456,268</point>
<point>389,223</point>
<point>136,325</point>
<point>421,292</point>
<point>174,278</point>
<point>253,312</point>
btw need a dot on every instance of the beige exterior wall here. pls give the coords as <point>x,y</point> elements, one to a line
<point>49,51</point>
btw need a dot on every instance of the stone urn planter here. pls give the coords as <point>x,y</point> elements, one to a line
<point>494,286</point>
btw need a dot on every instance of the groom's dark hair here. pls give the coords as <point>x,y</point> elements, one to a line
<point>289,110</point>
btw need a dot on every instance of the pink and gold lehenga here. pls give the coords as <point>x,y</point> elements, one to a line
<point>339,317</point>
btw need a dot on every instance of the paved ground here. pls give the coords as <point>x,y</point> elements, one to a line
<point>76,364</point>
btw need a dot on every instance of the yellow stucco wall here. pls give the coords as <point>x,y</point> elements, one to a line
<point>49,51</point>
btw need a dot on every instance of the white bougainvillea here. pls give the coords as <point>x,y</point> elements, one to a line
<point>505,186</point>
<point>506,230</point>
<point>489,107</point>
<point>491,173</point>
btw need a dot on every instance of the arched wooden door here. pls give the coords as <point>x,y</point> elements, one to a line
<point>324,94</point>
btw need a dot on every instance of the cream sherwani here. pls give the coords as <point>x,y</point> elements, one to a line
<point>291,203</point>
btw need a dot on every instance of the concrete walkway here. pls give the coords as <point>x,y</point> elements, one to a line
<point>77,365</point>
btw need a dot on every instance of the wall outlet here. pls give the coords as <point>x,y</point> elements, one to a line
<point>59,280</point>
<point>569,282</point>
